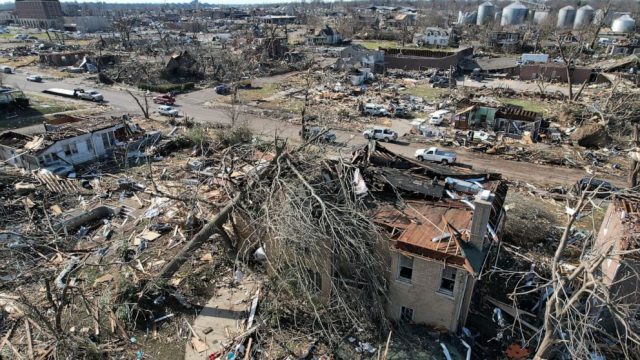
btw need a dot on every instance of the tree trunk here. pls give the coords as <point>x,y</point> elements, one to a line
<point>212,227</point>
<point>634,167</point>
<point>569,81</point>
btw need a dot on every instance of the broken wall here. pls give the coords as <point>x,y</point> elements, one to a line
<point>439,60</point>
<point>62,59</point>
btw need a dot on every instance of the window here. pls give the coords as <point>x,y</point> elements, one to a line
<point>406,314</point>
<point>107,140</point>
<point>447,281</point>
<point>70,149</point>
<point>47,158</point>
<point>405,268</point>
<point>89,145</point>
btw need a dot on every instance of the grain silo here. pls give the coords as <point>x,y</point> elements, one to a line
<point>566,17</point>
<point>584,16</point>
<point>485,13</point>
<point>540,16</point>
<point>514,14</point>
<point>623,24</point>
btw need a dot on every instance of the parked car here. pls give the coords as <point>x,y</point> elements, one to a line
<point>165,99</point>
<point>167,110</point>
<point>596,187</point>
<point>7,70</point>
<point>375,110</point>
<point>433,154</point>
<point>222,89</point>
<point>312,131</point>
<point>34,78</point>
<point>402,112</point>
<point>437,117</point>
<point>380,133</point>
<point>91,95</point>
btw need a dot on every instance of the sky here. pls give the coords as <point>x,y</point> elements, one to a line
<point>214,2</point>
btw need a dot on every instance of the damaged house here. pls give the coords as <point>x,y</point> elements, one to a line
<point>68,142</point>
<point>512,120</point>
<point>181,64</point>
<point>618,241</point>
<point>358,55</point>
<point>433,36</point>
<point>439,233</point>
<point>326,36</point>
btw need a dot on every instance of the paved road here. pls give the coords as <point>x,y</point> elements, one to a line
<point>203,107</point>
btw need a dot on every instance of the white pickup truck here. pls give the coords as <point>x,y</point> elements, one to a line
<point>432,154</point>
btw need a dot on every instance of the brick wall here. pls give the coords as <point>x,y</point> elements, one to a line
<point>556,72</point>
<point>439,60</point>
<point>429,306</point>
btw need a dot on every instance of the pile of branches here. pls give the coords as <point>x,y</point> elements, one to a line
<point>323,249</point>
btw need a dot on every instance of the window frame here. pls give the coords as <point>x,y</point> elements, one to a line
<point>404,311</point>
<point>70,149</point>
<point>399,277</point>
<point>443,273</point>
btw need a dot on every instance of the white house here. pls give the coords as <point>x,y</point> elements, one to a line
<point>433,36</point>
<point>72,142</point>
<point>326,36</point>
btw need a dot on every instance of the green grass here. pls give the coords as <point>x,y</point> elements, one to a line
<point>530,105</point>
<point>426,92</point>
<point>375,44</point>
<point>261,93</point>
<point>11,36</point>
<point>39,106</point>
<point>18,62</point>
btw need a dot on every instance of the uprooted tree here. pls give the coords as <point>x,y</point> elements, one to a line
<point>575,298</point>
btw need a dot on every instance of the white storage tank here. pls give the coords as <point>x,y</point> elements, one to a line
<point>514,14</point>
<point>623,24</point>
<point>584,16</point>
<point>566,17</point>
<point>485,13</point>
<point>540,16</point>
<point>467,17</point>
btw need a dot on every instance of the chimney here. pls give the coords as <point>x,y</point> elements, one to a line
<point>480,220</point>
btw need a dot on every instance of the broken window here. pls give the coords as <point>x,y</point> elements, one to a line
<point>406,314</point>
<point>447,281</point>
<point>70,149</point>
<point>405,268</point>
<point>108,140</point>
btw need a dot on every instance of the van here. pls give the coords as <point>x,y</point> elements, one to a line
<point>375,110</point>
<point>437,117</point>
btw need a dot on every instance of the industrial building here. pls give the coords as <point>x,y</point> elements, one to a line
<point>39,13</point>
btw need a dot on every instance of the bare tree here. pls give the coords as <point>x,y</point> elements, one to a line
<point>124,27</point>
<point>576,296</point>
<point>569,50</point>
<point>144,107</point>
